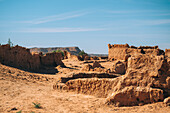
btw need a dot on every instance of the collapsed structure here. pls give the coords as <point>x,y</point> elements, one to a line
<point>21,58</point>
<point>143,73</point>
<point>146,79</point>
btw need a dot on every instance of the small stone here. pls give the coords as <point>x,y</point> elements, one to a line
<point>167,101</point>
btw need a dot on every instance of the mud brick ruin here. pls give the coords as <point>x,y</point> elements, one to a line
<point>146,78</point>
<point>122,52</point>
<point>21,58</point>
<point>137,76</point>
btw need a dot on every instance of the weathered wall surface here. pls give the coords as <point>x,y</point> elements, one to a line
<point>167,52</point>
<point>96,86</point>
<point>145,71</point>
<point>117,51</point>
<point>167,55</point>
<point>21,57</point>
<point>122,52</point>
<point>147,80</point>
<point>51,59</point>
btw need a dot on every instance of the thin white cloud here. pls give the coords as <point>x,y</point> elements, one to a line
<point>121,12</point>
<point>126,24</point>
<point>143,36</point>
<point>152,22</point>
<point>58,30</point>
<point>56,17</point>
<point>154,12</point>
<point>129,11</point>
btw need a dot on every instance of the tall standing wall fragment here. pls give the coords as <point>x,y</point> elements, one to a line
<point>21,58</point>
<point>123,51</point>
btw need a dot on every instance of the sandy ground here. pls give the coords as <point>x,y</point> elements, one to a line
<point>19,93</point>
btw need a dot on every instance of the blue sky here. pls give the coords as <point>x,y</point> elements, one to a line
<point>88,24</point>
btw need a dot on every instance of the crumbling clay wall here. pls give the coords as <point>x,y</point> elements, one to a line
<point>167,52</point>
<point>167,55</point>
<point>117,51</point>
<point>21,58</point>
<point>147,80</point>
<point>122,52</point>
<point>51,59</point>
<point>95,86</point>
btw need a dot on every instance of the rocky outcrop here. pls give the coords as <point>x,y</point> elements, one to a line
<point>167,101</point>
<point>119,67</point>
<point>131,96</point>
<point>21,58</point>
<point>87,67</point>
<point>96,64</point>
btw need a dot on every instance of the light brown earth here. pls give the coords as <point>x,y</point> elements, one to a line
<point>18,89</point>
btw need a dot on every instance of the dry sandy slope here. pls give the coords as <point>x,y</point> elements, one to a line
<point>20,93</point>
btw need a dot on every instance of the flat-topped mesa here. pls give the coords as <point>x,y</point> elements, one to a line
<point>20,57</point>
<point>72,50</point>
<point>123,51</point>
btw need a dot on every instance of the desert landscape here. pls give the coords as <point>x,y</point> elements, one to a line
<point>131,79</point>
<point>84,56</point>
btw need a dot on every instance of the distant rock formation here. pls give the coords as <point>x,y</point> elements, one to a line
<point>21,58</point>
<point>72,50</point>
